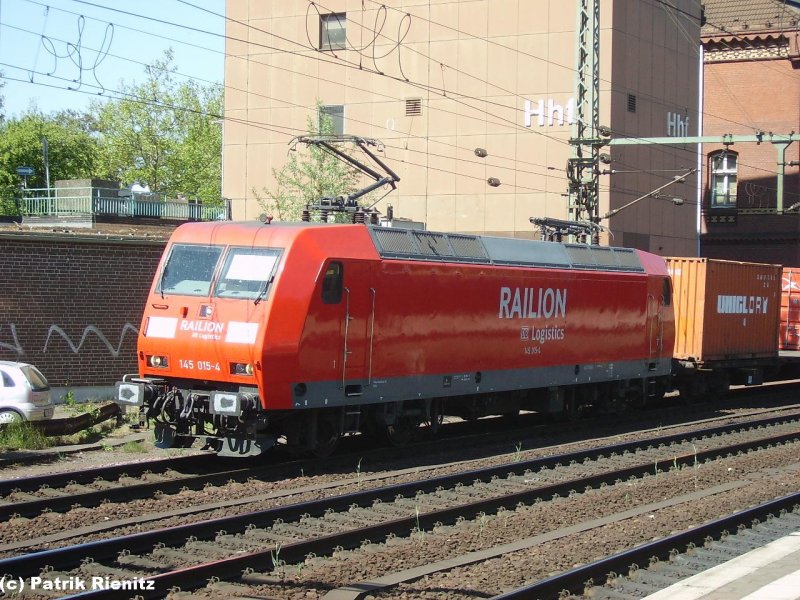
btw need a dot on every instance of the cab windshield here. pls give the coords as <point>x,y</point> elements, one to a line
<point>247,273</point>
<point>189,269</point>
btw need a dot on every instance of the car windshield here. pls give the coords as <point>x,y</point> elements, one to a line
<point>189,270</point>
<point>247,273</point>
<point>35,378</point>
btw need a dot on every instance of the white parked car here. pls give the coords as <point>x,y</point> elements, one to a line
<point>24,393</point>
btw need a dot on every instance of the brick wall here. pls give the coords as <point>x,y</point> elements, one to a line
<point>72,305</point>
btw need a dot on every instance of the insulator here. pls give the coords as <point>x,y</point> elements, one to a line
<point>373,217</point>
<point>323,216</point>
<point>359,216</point>
<point>306,215</point>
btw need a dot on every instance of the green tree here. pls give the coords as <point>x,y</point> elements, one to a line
<point>164,133</point>
<point>308,175</point>
<point>2,99</point>
<point>72,150</point>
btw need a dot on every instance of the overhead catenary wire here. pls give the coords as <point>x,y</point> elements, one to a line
<point>506,159</point>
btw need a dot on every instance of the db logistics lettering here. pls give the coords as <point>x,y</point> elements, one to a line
<point>532,303</point>
<point>742,305</point>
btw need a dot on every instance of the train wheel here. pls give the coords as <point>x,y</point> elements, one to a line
<point>402,431</point>
<point>327,436</point>
<point>573,408</point>
<point>435,418</point>
<point>692,390</point>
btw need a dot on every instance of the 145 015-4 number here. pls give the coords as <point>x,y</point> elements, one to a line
<point>200,365</point>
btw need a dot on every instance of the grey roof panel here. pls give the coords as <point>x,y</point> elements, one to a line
<point>409,244</point>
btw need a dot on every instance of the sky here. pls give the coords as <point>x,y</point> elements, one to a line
<point>63,54</point>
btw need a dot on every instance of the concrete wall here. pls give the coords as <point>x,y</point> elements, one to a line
<point>72,305</point>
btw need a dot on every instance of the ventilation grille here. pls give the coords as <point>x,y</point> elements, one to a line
<point>631,103</point>
<point>433,243</point>
<point>596,257</point>
<point>395,241</point>
<point>468,246</point>
<point>413,244</point>
<point>413,107</point>
<point>428,245</point>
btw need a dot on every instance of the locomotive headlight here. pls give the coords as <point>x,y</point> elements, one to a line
<point>241,369</point>
<point>158,361</point>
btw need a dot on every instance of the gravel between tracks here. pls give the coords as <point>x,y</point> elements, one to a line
<point>754,478</point>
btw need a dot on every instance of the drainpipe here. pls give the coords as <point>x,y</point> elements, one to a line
<point>782,146</point>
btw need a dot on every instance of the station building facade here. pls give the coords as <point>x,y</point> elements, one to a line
<point>436,80</point>
<point>751,86</point>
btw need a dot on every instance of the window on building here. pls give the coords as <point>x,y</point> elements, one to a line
<point>723,179</point>
<point>331,119</point>
<point>631,103</point>
<point>333,31</point>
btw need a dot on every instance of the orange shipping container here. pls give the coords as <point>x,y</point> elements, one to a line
<point>790,309</point>
<point>725,310</point>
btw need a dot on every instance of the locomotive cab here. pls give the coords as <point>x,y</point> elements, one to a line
<point>201,345</point>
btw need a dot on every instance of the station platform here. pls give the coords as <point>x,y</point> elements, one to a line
<point>771,572</point>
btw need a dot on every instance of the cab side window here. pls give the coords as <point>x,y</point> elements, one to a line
<point>667,293</point>
<point>333,283</point>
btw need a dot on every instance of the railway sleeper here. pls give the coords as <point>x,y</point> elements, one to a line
<point>235,541</point>
<point>211,549</point>
<point>270,536</point>
<point>97,569</point>
<point>660,577</point>
<point>298,530</point>
<point>173,557</point>
<point>391,510</point>
<point>140,562</point>
<point>362,515</point>
<point>48,492</point>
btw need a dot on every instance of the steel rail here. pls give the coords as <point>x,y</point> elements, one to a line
<point>143,490</point>
<point>87,476</point>
<point>65,558</point>
<point>575,579</point>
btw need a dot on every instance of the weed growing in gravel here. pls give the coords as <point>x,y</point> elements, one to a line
<point>133,447</point>
<point>22,436</point>
<point>418,532</point>
<point>518,453</point>
<point>483,520</point>
<point>358,471</point>
<point>278,565</point>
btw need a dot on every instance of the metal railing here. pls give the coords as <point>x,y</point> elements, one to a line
<point>54,202</point>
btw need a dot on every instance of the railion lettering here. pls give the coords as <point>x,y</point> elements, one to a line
<point>202,326</point>
<point>532,303</point>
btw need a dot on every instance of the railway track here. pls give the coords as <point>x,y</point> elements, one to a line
<point>86,488</point>
<point>655,566</point>
<point>186,557</point>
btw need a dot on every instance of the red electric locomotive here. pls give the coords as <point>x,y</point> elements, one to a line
<point>254,334</point>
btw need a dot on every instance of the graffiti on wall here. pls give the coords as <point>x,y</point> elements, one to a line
<point>17,348</point>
